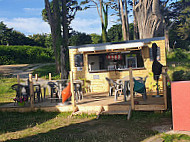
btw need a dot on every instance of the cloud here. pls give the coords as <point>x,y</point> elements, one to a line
<point>32,10</point>
<point>28,26</point>
<point>86,25</point>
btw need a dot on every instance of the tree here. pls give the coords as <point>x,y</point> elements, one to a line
<point>115,33</point>
<point>8,36</point>
<point>59,14</point>
<point>5,33</point>
<point>102,9</point>
<point>124,19</point>
<point>175,19</point>
<point>148,17</point>
<point>53,18</point>
<point>78,38</point>
<point>95,38</point>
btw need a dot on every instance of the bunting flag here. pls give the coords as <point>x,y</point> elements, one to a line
<point>114,57</point>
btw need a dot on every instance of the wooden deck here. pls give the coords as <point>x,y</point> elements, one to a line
<point>93,103</point>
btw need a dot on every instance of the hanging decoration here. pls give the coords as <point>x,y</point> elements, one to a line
<point>114,57</point>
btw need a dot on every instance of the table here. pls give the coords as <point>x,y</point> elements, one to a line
<point>61,85</point>
<point>125,84</point>
<point>78,89</point>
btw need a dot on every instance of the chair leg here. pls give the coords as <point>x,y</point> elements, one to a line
<point>116,93</point>
<point>144,95</point>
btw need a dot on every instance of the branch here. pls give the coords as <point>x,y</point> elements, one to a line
<point>48,9</point>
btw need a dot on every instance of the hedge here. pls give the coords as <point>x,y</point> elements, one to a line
<point>24,55</point>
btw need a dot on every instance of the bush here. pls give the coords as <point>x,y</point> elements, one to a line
<point>24,55</point>
<point>181,75</point>
<point>178,75</point>
<point>178,55</point>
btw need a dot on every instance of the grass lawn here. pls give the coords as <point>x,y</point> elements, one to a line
<point>6,93</point>
<point>176,138</point>
<point>43,72</point>
<point>48,126</point>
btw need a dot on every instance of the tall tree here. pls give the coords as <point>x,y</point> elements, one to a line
<point>5,34</point>
<point>124,19</point>
<point>148,17</point>
<point>53,18</point>
<point>59,14</point>
<point>102,9</point>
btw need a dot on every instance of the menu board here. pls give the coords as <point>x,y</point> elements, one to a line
<point>79,60</point>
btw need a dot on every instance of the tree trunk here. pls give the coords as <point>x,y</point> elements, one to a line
<point>64,49</point>
<point>149,19</point>
<point>124,30</point>
<point>104,20</point>
<point>54,22</point>
<point>126,20</point>
<point>135,22</point>
<point>167,44</point>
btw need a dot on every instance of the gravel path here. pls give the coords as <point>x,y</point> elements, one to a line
<point>22,69</point>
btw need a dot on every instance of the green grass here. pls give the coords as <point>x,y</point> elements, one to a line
<point>52,126</point>
<point>178,60</point>
<point>6,93</point>
<point>175,137</point>
<point>43,72</point>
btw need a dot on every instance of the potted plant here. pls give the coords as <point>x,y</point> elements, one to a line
<point>20,100</point>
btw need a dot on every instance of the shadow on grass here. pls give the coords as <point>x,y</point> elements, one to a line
<point>15,121</point>
<point>107,128</point>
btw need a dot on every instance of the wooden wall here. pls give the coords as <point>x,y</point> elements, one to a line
<point>101,85</point>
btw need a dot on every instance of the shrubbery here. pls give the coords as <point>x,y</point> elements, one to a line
<point>181,75</point>
<point>178,55</point>
<point>24,54</point>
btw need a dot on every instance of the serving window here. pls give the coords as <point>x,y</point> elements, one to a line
<point>115,61</point>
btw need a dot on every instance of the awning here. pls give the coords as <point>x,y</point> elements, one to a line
<point>111,47</point>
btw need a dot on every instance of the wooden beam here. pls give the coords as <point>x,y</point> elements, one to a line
<point>72,90</point>
<point>31,91</point>
<point>49,76</point>
<point>131,88</point>
<point>18,78</point>
<point>36,77</point>
<point>164,75</point>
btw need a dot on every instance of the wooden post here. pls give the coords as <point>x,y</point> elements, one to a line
<point>164,74</point>
<point>49,76</point>
<point>36,77</point>
<point>31,91</point>
<point>18,78</point>
<point>131,88</point>
<point>72,90</point>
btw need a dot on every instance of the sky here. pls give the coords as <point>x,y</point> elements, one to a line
<point>25,16</point>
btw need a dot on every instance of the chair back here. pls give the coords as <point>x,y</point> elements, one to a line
<point>18,88</point>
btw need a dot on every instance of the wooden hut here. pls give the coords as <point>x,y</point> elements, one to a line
<point>95,62</point>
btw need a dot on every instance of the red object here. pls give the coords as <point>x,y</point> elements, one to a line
<point>181,105</point>
<point>66,93</point>
<point>114,57</point>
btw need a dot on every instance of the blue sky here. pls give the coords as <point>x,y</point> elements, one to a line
<point>25,16</point>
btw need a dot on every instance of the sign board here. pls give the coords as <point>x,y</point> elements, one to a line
<point>96,77</point>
